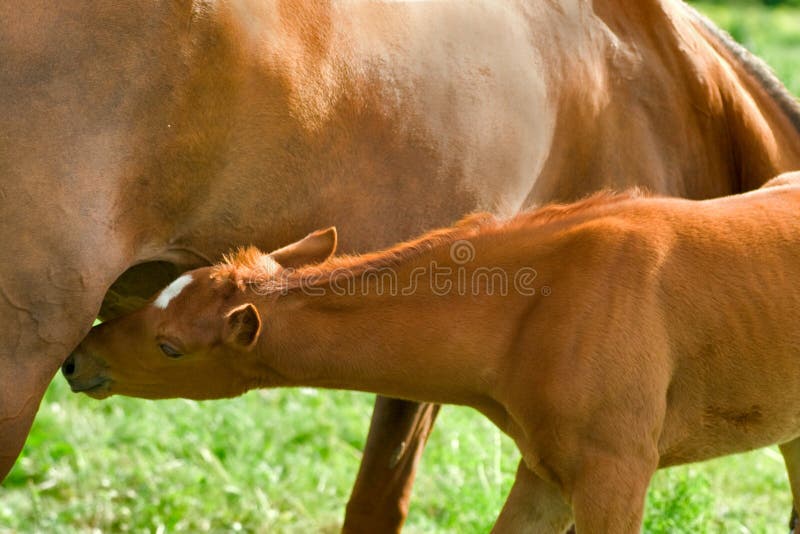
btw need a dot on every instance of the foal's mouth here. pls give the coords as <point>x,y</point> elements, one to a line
<point>97,388</point>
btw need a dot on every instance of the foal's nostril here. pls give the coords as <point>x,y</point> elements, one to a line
<point>68,367</point>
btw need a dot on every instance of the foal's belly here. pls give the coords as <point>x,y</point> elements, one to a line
<point>739,394</point>
<point>717,430</point>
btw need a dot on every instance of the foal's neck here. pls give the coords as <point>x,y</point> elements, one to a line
<point>432,320</point>
<point>417,330</point>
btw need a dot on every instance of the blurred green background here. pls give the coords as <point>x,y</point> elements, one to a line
<point>766,3</point>
<point>284,461</point>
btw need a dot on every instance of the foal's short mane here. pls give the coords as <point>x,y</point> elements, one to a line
<point>586,207</point>
<point>347,265</point>
<point>250,267</point>
<point>244,266</point>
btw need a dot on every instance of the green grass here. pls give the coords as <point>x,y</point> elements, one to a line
<point>284,461</point>
<point>271,461</point>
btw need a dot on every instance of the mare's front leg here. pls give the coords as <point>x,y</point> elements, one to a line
<point>534,506</point>
<point>22,385</point>
<point>48,301</point>
<point>397,435</point>
<point>791,457</point>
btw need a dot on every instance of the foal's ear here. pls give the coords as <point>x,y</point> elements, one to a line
<point>316,247</point>
<point>242,326</point>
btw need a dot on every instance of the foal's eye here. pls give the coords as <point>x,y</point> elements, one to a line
<point>169,351</point>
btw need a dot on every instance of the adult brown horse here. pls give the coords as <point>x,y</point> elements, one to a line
<point>144,138</point>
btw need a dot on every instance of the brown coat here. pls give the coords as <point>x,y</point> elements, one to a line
<point>144,138</point>
<point>647,332</point>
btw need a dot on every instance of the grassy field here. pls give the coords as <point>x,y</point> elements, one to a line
<point>283,461</point>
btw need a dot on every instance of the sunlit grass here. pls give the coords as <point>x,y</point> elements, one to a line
<point>284,461</point>
<point>276,461</point>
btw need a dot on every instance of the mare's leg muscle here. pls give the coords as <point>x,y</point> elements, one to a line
<point>398,433</point>
<point>47,303</point>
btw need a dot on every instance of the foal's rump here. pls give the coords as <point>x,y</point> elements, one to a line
<point>731,300</point>
<point>787,178</point>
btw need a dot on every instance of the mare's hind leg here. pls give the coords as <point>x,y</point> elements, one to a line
<point>397,435</point>
<point>533,506</point>
<point>791,457</point>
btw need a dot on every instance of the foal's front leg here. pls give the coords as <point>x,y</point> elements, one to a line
<point>534,506</point>
<point>609,494</point>
<point>791,457</point>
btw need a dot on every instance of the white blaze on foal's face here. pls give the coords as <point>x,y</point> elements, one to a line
<point>172,291</point>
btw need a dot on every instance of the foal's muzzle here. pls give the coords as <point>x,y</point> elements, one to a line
<point>84,376</point>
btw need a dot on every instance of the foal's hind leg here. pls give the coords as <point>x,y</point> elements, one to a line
<point>533,506</point>
<point>791,457</point>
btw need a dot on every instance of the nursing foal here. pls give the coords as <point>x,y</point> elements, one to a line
<point>608,338</point>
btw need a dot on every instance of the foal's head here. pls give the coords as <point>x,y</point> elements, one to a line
<point>196,338</point>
